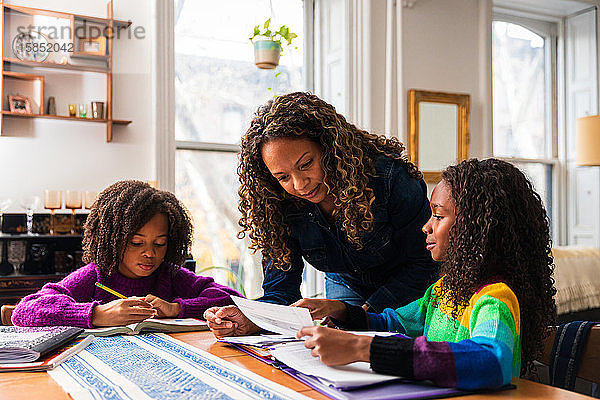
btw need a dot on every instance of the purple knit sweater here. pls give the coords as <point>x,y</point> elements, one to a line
<point>70,301</point>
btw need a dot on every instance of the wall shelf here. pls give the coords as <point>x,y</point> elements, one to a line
<point>84,56</point>
<point>86,62</point>
<point>61,117</point>
<point>36,64</point>
<point>59,14</point>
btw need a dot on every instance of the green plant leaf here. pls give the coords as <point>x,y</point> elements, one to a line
<point>283,33</point>
<point>277,74</point>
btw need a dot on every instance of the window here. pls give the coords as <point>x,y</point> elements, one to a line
<point>524,57</point>
<point>217,90</point>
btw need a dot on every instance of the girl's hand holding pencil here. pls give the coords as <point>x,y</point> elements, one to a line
<point>123,311</point>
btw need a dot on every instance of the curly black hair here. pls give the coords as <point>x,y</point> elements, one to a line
<point>501,230</point>
<point>124,208</point>
<point>347,161</point>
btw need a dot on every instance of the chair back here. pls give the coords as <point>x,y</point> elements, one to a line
<point>573,351</point>
<point>6,313</point>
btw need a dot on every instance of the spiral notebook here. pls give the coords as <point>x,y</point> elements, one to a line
<point>26,344</point>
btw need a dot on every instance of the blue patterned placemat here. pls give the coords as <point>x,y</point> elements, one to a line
<point>156,366</point>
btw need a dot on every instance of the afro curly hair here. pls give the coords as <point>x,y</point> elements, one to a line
<point>501,230</point>
<point>347,161</point>
<point>120,211</point>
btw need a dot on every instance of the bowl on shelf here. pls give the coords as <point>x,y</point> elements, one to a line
<point>41,224</point>
<point>80,222</point>
<point>14,223</point>
<point>62,223</point>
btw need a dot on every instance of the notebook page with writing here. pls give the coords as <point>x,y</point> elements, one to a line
<point>284,320</point>
<point>298,357</point>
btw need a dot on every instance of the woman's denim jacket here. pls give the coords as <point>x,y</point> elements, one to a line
<point>393,267</point>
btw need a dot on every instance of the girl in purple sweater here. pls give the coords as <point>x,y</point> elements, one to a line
<point>135,238</point>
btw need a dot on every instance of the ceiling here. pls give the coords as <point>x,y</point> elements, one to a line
<point>559,8</point>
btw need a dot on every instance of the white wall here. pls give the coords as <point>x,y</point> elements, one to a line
<point>438,45</point>
<point>47,154</point>
<point>445,47</point>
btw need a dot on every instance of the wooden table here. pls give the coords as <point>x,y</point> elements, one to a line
<point>39,385</point>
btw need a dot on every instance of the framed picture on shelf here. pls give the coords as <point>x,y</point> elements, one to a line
<point>19,104</point>
<point>93,45</point>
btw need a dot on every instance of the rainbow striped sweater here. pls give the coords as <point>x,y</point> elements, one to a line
<point>482,349</point>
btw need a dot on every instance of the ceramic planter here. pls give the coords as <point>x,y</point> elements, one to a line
<point>266,54</point>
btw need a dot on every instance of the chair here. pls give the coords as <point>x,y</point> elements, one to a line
<point>6,312</point>
<point>573,351</point>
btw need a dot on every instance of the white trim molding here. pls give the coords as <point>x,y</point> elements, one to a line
<point>163,102</point>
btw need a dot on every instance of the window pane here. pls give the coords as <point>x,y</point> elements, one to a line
<point>217,85</point>
<point>540,176</point>
<point>519,92</point>
<point>207,183</point>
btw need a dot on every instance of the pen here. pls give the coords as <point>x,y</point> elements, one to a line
<point>109,290</point>
<point>65,355</point>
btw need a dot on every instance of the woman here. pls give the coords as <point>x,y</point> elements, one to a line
<point>314,186</point>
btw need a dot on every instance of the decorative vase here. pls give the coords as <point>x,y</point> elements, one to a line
<point>51,110</point>
<point>266,54</point>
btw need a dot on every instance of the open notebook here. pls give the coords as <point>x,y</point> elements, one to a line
<point>151,325</point>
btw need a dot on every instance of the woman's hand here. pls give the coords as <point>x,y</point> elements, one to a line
<point>163,308</point>
<point>229,321</point>
<point>122,312</point>
<point>321,308</point>
<point>335,347</point>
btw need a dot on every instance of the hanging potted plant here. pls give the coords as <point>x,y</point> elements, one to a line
<point>267,44</point>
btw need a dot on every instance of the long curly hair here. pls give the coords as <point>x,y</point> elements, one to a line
<point>501,232</point>
<point>124,208</point>
<point>347,161</point>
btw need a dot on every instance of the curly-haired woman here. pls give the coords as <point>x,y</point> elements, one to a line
<point>135,238</point>
<point>484,321</point>
<point>314,186</point>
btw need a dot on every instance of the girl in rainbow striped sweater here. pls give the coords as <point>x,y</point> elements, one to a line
<point>482,323</point>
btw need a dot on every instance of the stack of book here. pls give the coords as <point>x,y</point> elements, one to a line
<point>37,348</point>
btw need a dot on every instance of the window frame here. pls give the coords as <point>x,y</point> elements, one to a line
<point>552,29</point>
<point>308,79</point>
<point>311,284</point>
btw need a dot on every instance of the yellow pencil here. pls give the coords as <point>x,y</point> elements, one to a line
<point>109,290</point>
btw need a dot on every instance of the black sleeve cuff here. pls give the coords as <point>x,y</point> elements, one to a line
<point>356,321</point>
<point>392,356</point>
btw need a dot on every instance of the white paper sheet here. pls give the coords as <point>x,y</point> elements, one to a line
<point>259,340</point>
<point>298,357</point>
<point>280,319</point>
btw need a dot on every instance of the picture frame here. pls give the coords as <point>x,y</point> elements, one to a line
<point>93,46</point>
<point>438,130</point>
<point>19,104</point>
